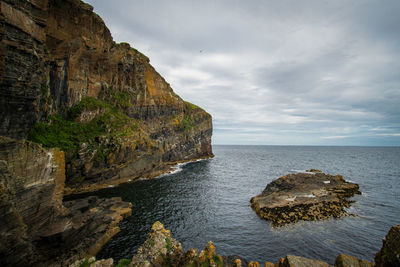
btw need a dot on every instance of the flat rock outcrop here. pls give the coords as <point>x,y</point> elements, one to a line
<point>36,227</point>
<point>308,196</point>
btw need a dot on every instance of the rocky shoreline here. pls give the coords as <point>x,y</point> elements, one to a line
<point>169,168</point>
<point>161,249</point>
<point>311,195</point>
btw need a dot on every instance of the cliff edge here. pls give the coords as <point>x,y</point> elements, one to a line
<point>65,83</point>
<point>78,112</point>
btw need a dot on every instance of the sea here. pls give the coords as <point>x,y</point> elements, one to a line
<point>210,200</point>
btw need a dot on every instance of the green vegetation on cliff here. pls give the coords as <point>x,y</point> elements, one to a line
<point>64,134</point>
<point>191,106</point>
<point>68,134</point>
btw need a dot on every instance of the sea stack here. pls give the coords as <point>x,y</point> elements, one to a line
<point>311,195</point>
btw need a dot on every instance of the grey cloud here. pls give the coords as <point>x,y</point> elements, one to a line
<point>275,72</point>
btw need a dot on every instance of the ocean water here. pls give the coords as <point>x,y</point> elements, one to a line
<point>210,200</point>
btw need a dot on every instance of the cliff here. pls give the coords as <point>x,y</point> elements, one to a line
<point>78,112</point>
<point>36,227</point>
<point>65,83</point>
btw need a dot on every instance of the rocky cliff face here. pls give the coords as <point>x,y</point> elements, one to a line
<point>94,112</point>
<point>36,228</point>
<point>65,83</point>
<point>31,184</point>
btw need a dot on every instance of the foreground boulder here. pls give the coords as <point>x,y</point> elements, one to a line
<point>160,249</point>
<point>389,255</point>
<point>296,261</point>
<point>304,196</point>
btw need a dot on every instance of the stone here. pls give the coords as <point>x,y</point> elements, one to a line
<point>234,260</point>
<point>304,196</point>
<point>159,249</point>
<point>92,262</point>
<point>296,261</point>
<point>36,227</point>
<point>389,254</point>
<point>349,261</point>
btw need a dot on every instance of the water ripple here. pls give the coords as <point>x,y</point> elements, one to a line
<point>209,200</point>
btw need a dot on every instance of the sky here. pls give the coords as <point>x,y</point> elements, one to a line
<point>283,72</point>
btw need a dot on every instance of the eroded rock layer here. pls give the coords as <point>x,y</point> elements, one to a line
<point>65,83</point>
<point>308,196</point>
<point>36,228</point>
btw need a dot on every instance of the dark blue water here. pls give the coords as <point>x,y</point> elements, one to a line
<point>209,200</point>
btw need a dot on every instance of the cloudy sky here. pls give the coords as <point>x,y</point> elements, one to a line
<point>283,72</point>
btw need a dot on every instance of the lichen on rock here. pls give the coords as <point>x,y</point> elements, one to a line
<point>312,195</point>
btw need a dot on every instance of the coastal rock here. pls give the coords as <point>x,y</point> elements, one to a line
<point>31,185</point>
<point>159,249</point>
<point>65,83</point>
<point>92,262</point>
<point>36,227</point>
<point>389,255</point>
<point>304,196</point>
<point>349,261</point>
<point>234,261</point>
<point>296,261</point>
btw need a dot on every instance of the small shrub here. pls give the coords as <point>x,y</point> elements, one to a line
<point>123,263</point>
<point>86,263</point>
<point>185,124</point>
<point>87,103</point>
<point>217,260</point>
<point>152,243</point>
<point>169,247</point>
<point>191,106</point>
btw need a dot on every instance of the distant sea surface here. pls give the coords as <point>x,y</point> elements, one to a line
<point>210,200</point>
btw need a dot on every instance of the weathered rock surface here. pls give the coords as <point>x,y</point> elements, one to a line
<point>36,228</point>
<point>160,249</point>
<point>65,83</point>
<point>346,261</point>
<point>296,261</point>
<point>304,196</point>
<point>389,255</point>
